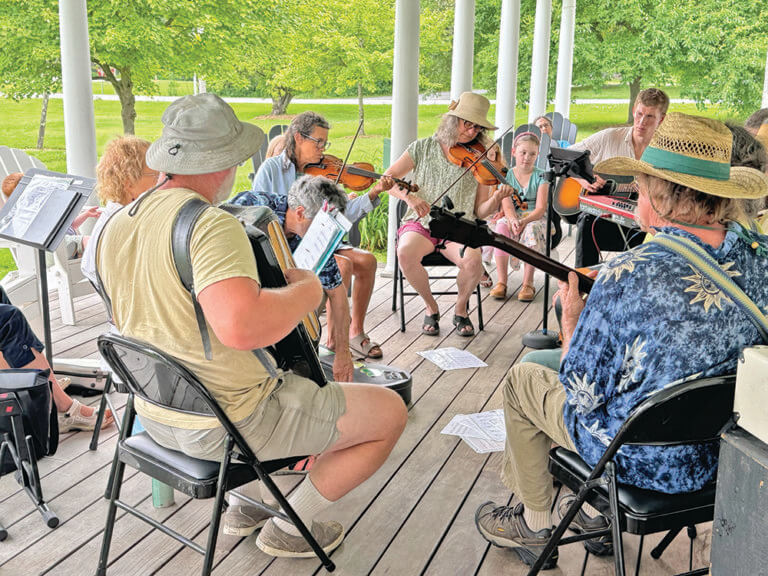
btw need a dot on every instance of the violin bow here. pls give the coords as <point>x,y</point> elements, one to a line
<point>349,151</point>
<point>496,142</point>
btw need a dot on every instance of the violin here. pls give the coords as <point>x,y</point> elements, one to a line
<point>487,172</point>
<point>356,176</point>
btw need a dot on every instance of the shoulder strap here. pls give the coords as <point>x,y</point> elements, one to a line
<point>709,267</point>
<point>181,238</point>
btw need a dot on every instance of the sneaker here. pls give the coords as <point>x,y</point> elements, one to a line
<point>74,419</point>
<point>505,526</point>
<point>243,520</point>
<point>275,542</point>
<point>583,523</point>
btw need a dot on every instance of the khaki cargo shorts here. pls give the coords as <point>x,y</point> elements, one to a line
<point>297,419</point>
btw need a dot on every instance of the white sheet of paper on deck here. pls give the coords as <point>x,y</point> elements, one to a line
<point>483,432</point>
<point>483,446</point>
<point>321,240</point>
<point>452,358</point>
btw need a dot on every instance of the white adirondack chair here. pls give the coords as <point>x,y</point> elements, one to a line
<point>22,285</point>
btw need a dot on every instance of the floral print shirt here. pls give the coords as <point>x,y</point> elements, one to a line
<point>651,320</point>
<point>330,275</point>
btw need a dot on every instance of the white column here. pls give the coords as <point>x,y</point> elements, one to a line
<point>540,60</point>
<point>565,58</point>
<point>463,47</point>
<point>506,76</point>
<point>79,123</point>
<point>405,100</point>
<point>765,85</point>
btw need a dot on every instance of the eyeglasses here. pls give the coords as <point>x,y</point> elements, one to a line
<point>319,143</point>
<point>472,126</point>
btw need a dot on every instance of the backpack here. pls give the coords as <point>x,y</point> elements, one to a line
<point>28,392</point>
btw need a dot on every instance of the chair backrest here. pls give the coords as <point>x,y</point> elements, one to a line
<point>161,380</point>
<point>692,411</point>
<point>572,134</point>
<point>559,125</point>
<point>258,159</point>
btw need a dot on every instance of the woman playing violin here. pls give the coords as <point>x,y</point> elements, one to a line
<point>529,226</point>
<point>304,142</point>
<point>434,170</point>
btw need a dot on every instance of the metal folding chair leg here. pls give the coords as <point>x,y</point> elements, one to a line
<point>103,405</point>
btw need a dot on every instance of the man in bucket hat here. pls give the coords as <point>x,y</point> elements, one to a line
<point>648,322</point>
<point>353,427</point>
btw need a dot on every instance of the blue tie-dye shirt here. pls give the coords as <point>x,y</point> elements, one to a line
<point>330,276</point>
<point>650,320</point>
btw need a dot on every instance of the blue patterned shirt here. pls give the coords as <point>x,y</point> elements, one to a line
<point>651,320</point>
<point>330,276</point>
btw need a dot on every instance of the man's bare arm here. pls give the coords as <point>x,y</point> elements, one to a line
<point>244,316</point>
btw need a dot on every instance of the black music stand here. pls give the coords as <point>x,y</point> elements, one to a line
<point>38,214</point>
<point>562,163</point>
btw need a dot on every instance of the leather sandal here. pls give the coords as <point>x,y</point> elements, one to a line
<point>527,293</point>
<point>431,321</point>
<point>363,347</point>
<point>499,291</point>
<point>486,281</point>
<point>463,326</point>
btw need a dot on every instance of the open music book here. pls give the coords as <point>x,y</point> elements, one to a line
<point>321,240</point>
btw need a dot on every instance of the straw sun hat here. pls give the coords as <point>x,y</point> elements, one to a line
<point>472,108</point>
<point>694,152</point>
<point>201,134</point>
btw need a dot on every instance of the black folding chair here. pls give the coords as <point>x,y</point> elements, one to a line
<point>687,412</point>
<point>433,259</point>
<point>160,380</point>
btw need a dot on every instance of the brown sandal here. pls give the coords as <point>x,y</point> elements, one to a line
<point>527,293</point>
<point>499,291</point>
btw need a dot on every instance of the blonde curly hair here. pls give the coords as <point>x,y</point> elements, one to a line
<point>121,165</point>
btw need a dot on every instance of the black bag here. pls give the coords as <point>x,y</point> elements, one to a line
<point>32,391</point>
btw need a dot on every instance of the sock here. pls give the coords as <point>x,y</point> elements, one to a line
<point>537,520</point>
<point>307,502</point>
<point>252,490</point>
<point>590,511</point>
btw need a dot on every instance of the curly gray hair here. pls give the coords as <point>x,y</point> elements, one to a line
<point>310,192</point>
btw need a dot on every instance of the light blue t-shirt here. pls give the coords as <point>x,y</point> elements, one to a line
<point>277,174</point>
<point>527,193</point>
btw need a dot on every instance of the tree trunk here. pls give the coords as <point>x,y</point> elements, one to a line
<point>360,109</point>
<point>280,101</point>
<point>43,120</point>
<point>124,89</point>
<point>634,90</point>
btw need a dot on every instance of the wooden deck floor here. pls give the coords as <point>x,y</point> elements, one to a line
<point>414,516</point>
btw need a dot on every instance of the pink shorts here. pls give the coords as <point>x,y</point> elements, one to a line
<point>415,226</point>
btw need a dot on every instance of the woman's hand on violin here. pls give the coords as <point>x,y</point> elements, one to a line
<point>417,205</point>
<point>385,183</point>
<point>503,191</point>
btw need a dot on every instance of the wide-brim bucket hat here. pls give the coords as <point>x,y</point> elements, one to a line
<point>694,152</point>
<point>201,134</point>
<point>472,108</point>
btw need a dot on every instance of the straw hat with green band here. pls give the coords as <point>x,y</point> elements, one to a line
<point>694,152</point>
<point>472,108</point>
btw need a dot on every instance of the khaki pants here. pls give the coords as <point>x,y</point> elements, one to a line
<point>534,400</point>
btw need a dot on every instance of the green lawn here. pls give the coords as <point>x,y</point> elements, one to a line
<point>20,120</point>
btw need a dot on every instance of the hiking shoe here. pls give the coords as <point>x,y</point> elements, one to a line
<point>583,523</point>
<point>505,526</point>
<point>275,542</point>
<point>243,520</point>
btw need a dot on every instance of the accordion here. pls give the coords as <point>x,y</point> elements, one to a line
<point>298,350</point>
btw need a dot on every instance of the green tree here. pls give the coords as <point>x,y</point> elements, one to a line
<point>722,47</point>
<point>30,61</point>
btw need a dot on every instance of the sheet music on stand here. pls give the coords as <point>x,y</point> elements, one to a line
<point>42,207</point>
<point>321,240</point>
<point>38,214</point>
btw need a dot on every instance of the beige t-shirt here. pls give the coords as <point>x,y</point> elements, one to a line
<point>433,173</point>
<point>608,143</point>
<point>149,302</point>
